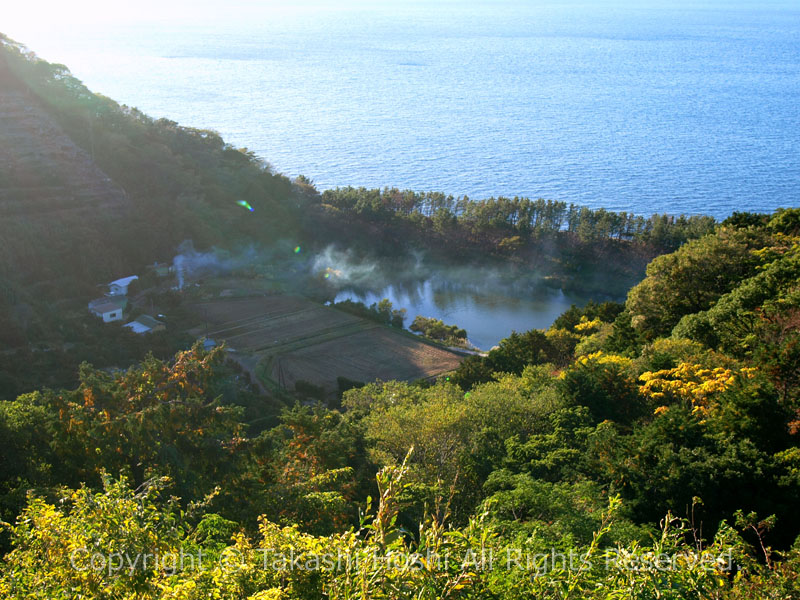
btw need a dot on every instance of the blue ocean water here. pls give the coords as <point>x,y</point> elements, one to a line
<point>644,107</point>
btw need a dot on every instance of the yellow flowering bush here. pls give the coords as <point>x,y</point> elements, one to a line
<point>603,358</point>
<point>690,382</point>
<point>585,326</point>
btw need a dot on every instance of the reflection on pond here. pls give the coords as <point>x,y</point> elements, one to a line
<point>488,310</point>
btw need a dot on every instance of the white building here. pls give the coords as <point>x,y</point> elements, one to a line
<point>108,309</point>
<point>120,286</point>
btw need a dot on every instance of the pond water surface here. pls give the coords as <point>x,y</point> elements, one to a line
<point>488,312</point>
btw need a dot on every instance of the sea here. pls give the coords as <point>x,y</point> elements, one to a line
<point>639,106</point>
<point>645,107</point>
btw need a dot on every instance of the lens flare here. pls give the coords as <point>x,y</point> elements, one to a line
<point>245,204</point>
<point>297,249</point>
<point>330,272</point>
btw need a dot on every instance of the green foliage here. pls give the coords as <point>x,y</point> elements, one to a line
<point>785,221</point>
<point>624,338</point>
<point>157,418</point>
<point>382,312</point>
<point>473,369</point>
<point>514,220</point>
<point>605,311</point>
<point>673,288</point>
<point>605,388</point>
<point>435,329</point>
<point>675,455</point>
<point>596,341</point>
<point>54,548</point>
<point>303,471</point>
<point>458,438</point>
<point>743,220</point>
<point>778,354</point>
<point>565,514</point>
<point>667,353</point>
<point>735,321</point>
<point>511,355</point>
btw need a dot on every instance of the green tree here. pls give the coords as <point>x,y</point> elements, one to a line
<point>692,279</point>
<point>605,388</point>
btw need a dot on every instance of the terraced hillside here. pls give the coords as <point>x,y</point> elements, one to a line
<point>55,201</point>
<point>41,169</point>
<point>287,338</point>
<point>91,190</point>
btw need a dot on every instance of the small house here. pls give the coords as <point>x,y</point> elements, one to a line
<point>108,309</point>
<point>145,324</point>
<point>120,286</point>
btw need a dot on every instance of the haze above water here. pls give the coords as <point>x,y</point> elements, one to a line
<point>488,314</point>
<point>642,107</point>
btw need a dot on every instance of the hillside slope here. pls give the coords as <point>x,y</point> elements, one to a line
<point>90,190</point>
<point>41,168</point>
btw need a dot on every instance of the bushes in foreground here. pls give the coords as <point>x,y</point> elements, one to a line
<point>125,543</point>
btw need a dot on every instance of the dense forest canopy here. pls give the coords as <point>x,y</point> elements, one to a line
<point>579,438</point>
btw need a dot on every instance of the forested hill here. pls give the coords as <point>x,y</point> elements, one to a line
<point>639,451</point>
<point>592,251</point>
<point>90,189</point>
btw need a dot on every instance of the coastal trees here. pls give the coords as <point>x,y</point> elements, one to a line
<point>670,290</point>
<point>382,311</point>
<point>507,218</point>
<point>436,329</point>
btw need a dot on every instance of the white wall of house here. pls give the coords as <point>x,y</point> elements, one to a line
<point>112,315</point>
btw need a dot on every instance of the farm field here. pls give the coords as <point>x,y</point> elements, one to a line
<point>289,338</point>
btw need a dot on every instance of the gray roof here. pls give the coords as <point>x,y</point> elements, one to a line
<point>137,327</point>
<point>104,305</point>
<point>144,324</point>
<point>148,321</point>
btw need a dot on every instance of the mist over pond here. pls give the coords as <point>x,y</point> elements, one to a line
<point>489,311</point>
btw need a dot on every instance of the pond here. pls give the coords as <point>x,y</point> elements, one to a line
<point>489,312</point>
